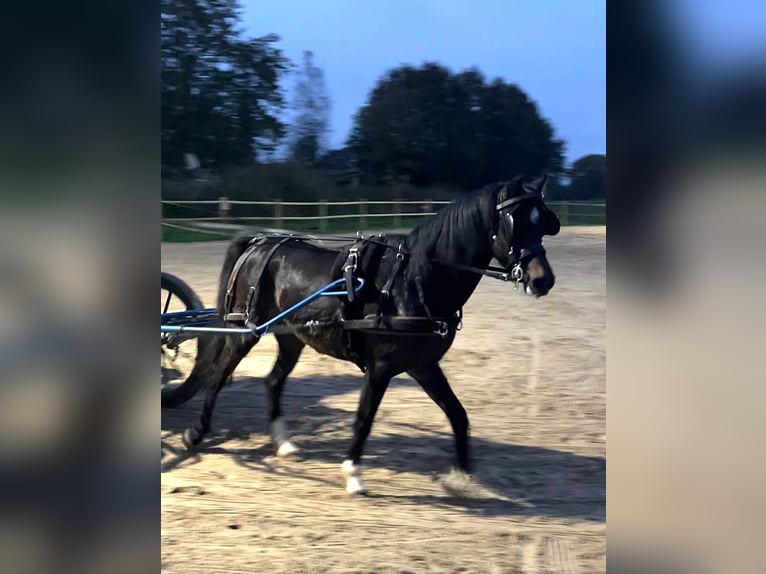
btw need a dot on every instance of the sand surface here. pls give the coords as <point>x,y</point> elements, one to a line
<point>531,375</point>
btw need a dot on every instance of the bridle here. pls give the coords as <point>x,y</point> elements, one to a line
<point>514,257</point>
<point>513,264</point>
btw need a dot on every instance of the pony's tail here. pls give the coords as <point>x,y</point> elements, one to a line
<point>209,347</point>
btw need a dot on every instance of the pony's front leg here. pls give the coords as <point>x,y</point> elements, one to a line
<point>434,383</point>
<point>374,387</point>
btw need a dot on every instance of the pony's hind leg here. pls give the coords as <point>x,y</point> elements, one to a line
<point>436,386</point>
<point>223,361</point>
<point>290,348</point>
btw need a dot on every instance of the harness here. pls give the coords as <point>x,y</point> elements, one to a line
<point>247,316</point>
<point>380,321</point>
<point>350,266</point>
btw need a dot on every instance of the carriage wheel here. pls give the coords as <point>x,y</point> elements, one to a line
<point>179,352</point>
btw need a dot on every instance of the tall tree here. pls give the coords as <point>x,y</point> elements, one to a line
<point>312,113</point>
<point>588,178</point>
<point>220,90</point>
<point>439,127</point>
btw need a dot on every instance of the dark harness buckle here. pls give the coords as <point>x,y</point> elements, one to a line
<point>442,329</point>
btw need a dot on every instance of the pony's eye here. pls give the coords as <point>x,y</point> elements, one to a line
<point>534,216</point>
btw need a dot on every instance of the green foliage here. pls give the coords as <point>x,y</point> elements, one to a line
<point>433,126</point>
<point>290,181</point>
<point>342,159</point>
<point>587,181</point>
<point>588,176</point>
<point>220,90</point>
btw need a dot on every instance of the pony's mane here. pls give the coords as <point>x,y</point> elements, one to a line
<point>455,216</point>
<point>454,228</point>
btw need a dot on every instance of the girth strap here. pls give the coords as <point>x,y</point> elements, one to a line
<point>404,325</point>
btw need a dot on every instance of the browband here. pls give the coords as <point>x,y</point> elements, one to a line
<point>517,199</point>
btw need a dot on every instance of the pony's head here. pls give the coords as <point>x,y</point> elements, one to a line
<point>517,242</point>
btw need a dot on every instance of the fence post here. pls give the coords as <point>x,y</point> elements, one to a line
<point>564,213</point>
<point>362,214</point>
<point>278,213</point>
<point>428,206</point>
<point>224,208</point>
<point>397,214</point>
<point>323,215</point>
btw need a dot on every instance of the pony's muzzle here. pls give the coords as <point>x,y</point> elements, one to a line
<point>542,285</point>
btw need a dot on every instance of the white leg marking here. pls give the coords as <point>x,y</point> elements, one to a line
<point>286,449</point>
<point>281,439</point>
<point>354,482</point>
<point>458,483</point>
<point>279,430</point>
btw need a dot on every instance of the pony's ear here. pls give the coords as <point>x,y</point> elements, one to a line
<point>539,184</point>
<point>515,186</point>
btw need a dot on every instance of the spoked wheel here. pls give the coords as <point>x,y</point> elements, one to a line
<point>179,351</point>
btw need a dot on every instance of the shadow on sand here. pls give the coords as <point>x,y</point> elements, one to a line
<point>525,480</point>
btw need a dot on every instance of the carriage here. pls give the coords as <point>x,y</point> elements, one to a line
<point>357,302</point>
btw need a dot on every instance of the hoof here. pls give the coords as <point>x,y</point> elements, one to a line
<point>191,438</point>
<point>355,485</point>
<point>458,483</point>
<point>287,449</point>
<point>281,439</point>
<point>354,482</point>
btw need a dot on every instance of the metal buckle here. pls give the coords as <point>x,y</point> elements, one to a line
<point>352,259</point>
<point>441,329</point>
<point>517,274</point>
<point>312,327</point>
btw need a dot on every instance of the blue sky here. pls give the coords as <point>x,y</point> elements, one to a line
<point>555,50</point>
<point>718,36</point>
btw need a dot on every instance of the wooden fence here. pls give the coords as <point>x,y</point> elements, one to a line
<point>399,213</point>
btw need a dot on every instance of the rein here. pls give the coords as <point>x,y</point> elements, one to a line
<point>515,274</point>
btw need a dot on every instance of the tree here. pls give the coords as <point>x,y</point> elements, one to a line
<point>438,127</point>
<point>220,91</point>
<point>588,178</point>
<point>312,106</point>
<point>337,160</point>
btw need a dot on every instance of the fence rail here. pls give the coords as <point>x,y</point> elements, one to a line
<point>224,210</point>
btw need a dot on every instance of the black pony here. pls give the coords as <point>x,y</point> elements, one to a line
<point>424,277</point>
